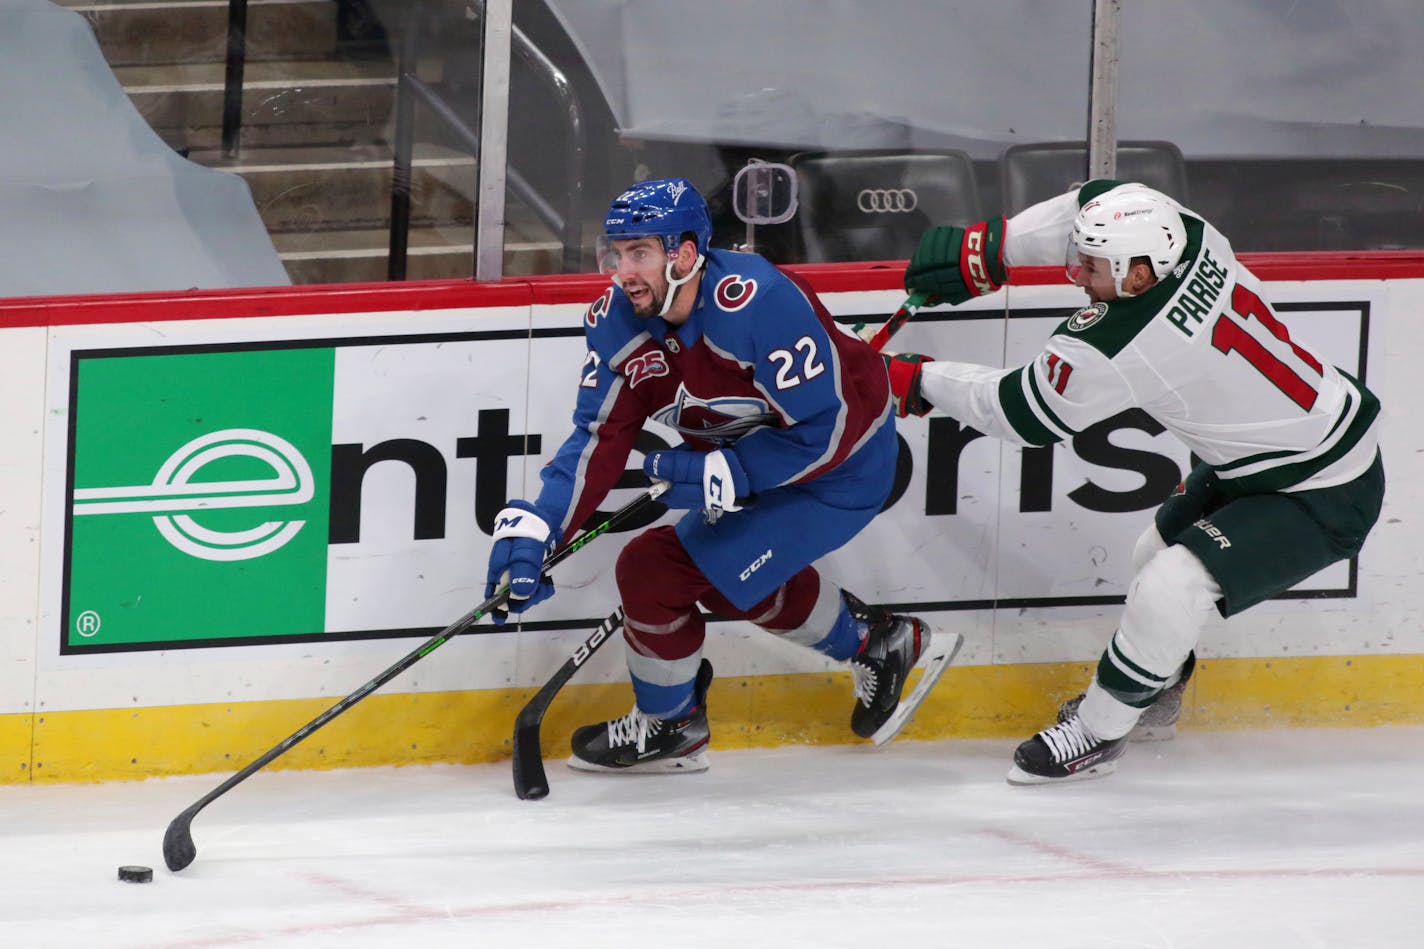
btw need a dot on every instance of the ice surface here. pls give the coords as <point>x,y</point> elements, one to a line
<point>1227,839</point>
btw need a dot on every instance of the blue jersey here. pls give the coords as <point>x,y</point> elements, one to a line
<point>759,368</point>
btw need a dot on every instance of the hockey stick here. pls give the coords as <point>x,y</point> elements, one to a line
<point>530,782</point>
<point>178,847</point>
<point>879,337</point>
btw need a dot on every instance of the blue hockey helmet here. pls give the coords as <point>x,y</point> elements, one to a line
<point>660,207</point>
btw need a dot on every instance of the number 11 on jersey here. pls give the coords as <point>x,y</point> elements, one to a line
<point>1229,336</point>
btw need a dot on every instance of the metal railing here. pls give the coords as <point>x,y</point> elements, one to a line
<point>562,220</point>
<point>412,90</point>
<point>232,77</point>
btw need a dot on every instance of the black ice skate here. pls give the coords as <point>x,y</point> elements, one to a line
<point>1066,752</point>
<point>637,744</point>
<point>1158,722</point>
<point>891,649</point>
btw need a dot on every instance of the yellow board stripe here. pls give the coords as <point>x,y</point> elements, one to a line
<point>1011,701</point>
<point>16,732</point>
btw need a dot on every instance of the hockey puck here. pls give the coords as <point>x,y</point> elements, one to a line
<point>136,874</point>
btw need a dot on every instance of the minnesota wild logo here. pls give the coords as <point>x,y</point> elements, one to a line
<point>1087,316</point>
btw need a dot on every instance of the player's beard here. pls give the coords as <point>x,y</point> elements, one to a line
<point>646,298</point>
<point>1096,295</point>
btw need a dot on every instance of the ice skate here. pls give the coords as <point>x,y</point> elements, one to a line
<point>891,649</point>
<point>1158,721</point>
<point>637,744</point>
<point>1066,752</point>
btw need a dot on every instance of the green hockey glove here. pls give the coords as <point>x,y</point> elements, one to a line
<point>953,264</point>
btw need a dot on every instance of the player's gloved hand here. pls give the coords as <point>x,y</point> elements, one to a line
<point>712,480</point>
<point>906,370</point>
<point>952,264</point>
<point>522,539</point>
<point>1196,497</point>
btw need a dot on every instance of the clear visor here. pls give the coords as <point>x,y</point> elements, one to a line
<point>638,255</point>
<point>1072,263</point>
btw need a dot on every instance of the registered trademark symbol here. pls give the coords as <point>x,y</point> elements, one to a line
<point>88,623</point>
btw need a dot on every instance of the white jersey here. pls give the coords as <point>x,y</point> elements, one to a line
<point>1202,352</point>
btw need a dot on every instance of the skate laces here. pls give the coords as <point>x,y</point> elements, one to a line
<point>865,678</point>
<point>881,646</point>
<point>633,729</point>
<point>892,639</point>
<point>1068,740</point>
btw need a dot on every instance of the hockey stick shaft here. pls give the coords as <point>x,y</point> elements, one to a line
<point>530,781</point>
<point>898,319</point>
<point>178,847</point>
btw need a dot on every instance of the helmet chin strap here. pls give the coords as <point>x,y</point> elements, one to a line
<point>674,283</point>
<point>1120,282</point>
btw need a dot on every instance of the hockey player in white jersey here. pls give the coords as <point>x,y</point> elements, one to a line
<point>1291,478</point>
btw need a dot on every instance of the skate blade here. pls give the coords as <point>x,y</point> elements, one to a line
<point>1153,733</point>
<point>943,648</point>
<point>1020,778</point>
<point>689,764</point>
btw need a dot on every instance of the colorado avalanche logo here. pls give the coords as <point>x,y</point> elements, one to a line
<point>720,420</point>
<point>598,309</point>
<point>733,292</point>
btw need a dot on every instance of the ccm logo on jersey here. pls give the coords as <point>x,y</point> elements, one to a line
<point>647,366</point>
<point>755,565</point>
<point>733,292</point>
<point>1214,532</point>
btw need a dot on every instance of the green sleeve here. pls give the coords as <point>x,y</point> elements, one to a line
<point>1097,188</point>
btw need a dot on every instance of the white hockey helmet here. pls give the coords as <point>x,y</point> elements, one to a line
<point>1126,223</point>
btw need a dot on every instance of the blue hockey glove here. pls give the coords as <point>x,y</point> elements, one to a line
<point>522,539</point>
<point>712,481</point>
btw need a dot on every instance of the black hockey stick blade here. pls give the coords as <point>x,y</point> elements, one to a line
<point>530,781</point>
<point>178,847</point>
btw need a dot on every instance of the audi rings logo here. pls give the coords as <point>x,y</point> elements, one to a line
<point>886,200</point>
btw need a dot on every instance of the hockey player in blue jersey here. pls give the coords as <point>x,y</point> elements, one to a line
<point>789,451</point>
